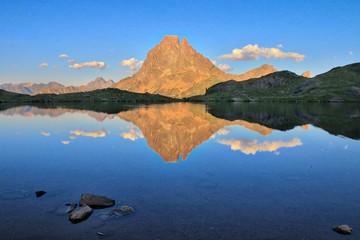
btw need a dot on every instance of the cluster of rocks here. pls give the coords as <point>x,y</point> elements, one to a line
<point>88,202</point>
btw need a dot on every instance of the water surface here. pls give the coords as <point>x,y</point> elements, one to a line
<point>191,171</point>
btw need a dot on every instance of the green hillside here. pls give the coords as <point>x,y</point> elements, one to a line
<point>103,95</point>
<point>339,84</point>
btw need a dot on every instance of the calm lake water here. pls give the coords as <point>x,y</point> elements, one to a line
<point>190,171</point>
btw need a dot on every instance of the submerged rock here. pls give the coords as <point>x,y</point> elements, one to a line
<point>40,193</point>
<point>70,207</point>
<point>115,213</point>
<point>64,208</point>
<point>95,201</point>
<point>343,229</point>
<point>80,214</point>
<point>60,209</point>
<point>105,233</point>
<point>14,194</point>
<point>122,211</point>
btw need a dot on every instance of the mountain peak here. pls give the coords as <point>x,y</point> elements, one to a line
<point>170,40</point>
<point>99,83</point>
<point>306,74</point>
<point>185,42</point>
<point>177,70</point>
<point>266,66</point>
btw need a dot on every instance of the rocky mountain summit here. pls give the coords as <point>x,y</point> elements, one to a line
<point>176,69</point>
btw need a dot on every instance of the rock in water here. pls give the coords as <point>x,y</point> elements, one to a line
<point>40,193</point>
<point>80,214</point>
<point>13,194</point>
<point>96,201</point>
<point>343,229</point>
<point>123,210</point>
<point>70,207</point>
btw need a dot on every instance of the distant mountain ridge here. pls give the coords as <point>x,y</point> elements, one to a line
<point>54,87</point>
<point>175,69</point>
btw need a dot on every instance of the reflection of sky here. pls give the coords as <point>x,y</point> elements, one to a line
<point>69,127</point>
<point>310,180</point>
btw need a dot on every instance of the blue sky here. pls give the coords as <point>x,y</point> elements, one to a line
<point>36,32</point>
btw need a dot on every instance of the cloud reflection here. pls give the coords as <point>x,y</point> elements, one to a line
<point>93,134</point>
<point>46,134</point>
<point>251,146</point>
<point>132,134</point>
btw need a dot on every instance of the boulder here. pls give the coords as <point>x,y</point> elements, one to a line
<point>122,211</point>
<point>352,91</point>
<point>95,201</point>
<point>343,229</point>
<point>40,193</point>
<point>80,214</point>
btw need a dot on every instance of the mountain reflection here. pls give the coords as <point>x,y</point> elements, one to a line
<point>337,119</point>
<point>31,111</point>
<point>175,130</point>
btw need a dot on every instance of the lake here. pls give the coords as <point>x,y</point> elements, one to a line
<point>190,171</point>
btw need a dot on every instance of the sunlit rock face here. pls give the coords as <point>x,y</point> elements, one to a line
<point>174,130</point>
<point>175,69</point>
<point>306,74</point>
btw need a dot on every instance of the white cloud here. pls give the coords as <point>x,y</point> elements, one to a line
<point>46,134</point>
<point>254,52</point>
<point>249,146</point>
<point>93,64</point>
<point>225,67</point>
<point>65,142</point>
<point>280,46</point>
<point>132,63</point>
<point>223,131</point>
<point>43,65</point>
<point>222,67</point>
<point>71,60</point>
<point>63,55</point>
<point>93,134</point>
<point>351,53</point>
<point>132,134</point>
